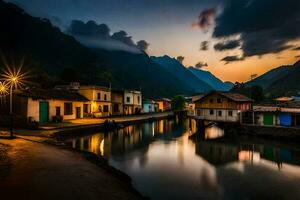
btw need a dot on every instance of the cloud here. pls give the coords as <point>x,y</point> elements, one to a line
<point>180,59</point>
<point>123,37</point>
<point>263,26</point>
<point>227,45</point>
<point>89,29</point>
<point>200,65</point>
<point>204,45</point>
<point>142,45</point>
<point>205,19</point>
<point>96,35</point>
<point>229,59</point>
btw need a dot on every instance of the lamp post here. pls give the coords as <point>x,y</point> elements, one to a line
<point>13,79</point>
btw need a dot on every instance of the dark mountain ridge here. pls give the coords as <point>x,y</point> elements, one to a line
<point>48,53</point>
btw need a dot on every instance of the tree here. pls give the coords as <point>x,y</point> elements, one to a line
<point>178,103</point>
<point>257,93</point>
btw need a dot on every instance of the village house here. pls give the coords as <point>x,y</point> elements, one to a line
<point>117,101</point>
<point>222,106</point>
<point>164,104</point>
<point>46,105</point>
<point>132,102</point>
<point>149,106</point>
<point>285,113</point>
<point>99,97</point>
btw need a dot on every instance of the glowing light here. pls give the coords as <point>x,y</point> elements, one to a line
<point>3,89</point>
<point>14,77</point>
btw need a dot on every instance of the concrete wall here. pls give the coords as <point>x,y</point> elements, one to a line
<point>205,114</point>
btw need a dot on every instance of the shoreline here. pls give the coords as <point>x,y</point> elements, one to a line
<point>102,166</point>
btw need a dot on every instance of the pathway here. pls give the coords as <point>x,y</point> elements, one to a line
<point>32,170</point>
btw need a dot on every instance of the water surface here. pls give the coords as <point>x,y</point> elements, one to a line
<point>165,164</point>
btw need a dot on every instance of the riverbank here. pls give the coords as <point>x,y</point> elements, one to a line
<point>40,171</point>
<point>51,130</point>
<point>270,132</point>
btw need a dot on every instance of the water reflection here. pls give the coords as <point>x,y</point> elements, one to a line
<point>160,158</point>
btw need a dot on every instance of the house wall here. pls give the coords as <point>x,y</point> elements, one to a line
<point>225,103</point>
<point>205,114</point>
<point>100,112</point>
<point>160,105</point>
<point>33,108</point>
<point>137,99</point>
<point>128,98</point>
<point>148,107</point>
<point>117,100</point>
<point>91,93</point>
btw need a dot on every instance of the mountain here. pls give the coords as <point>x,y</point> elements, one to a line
<point>210,79</point>
<point>183,75</point>
<point>283,80</point>
<point>54,57</point>
<point>269,77</point>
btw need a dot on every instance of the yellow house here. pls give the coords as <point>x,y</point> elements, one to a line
<point>99,100</point>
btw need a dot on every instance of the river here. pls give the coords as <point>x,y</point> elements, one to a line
<point>165,164</point>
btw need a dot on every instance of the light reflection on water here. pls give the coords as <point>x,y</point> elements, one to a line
<point>164,163</point>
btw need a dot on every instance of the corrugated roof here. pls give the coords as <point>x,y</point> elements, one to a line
<point>52,94</point>
<point>236,96</point>
<point>230,95</point>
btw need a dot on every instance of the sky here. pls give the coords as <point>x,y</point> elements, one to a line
<point>233,39</point>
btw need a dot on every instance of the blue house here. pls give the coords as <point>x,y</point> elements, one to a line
<point>149,106</point>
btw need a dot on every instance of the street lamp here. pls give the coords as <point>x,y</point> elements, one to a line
<point>3,89</point>
<point>14,79</point>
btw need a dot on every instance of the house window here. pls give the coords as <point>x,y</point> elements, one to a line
<point>116,108</point>
<point>211,100</point>
<point>230,113</point>
<point>68,109</point>
<point>86,108</point>
<point>99,96</point>
<point>139,99</point>
<point>198,112</point>
<point>211,112</point>
<point>105,108</point>
<point>219,100</point>
<point>128,99</point>
<point>100,108</point>
<point>220,113</point>
<point>105,97</point>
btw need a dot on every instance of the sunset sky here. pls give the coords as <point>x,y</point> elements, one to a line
<point>236,38</point>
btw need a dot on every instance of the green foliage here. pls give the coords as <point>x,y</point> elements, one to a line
<point>178,103</point>
<point>254,92</point>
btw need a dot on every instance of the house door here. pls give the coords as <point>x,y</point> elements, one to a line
<point>44,111</point>
<point>268,119</point>
<point>78,112</point>
<point>57,111</point>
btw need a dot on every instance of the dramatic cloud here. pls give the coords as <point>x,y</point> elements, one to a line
<point>205,18</point>
<point>180,59</point>
<point>264,26</point>
<point>142,45</point>
<point>200,65</point>
<point>227,45</point>
<point>96,35</point>
<point>204,46</point>
<point>229,59</point>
